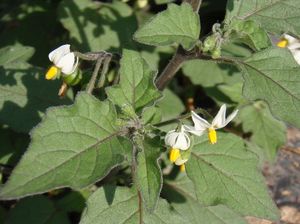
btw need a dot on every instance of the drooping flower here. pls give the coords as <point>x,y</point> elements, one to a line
<point>201,125</point>
<point>292,43</point>
<point>64,62</point>
<point>178,141</point>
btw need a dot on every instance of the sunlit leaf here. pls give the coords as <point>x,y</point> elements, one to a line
<point>72,147</point>
<point>226,173</point>
<point>121,205</point>
<point>148,176</point>
<point>276,16</point>
<point>177,24</point>
<point>182,196</point>
<point>136,87</point>
<point>267,132</point>
<point>274,76</point>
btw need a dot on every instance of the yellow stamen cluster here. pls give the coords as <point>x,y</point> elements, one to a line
<point>52,72</point>
<point>174,155</point>
<point>282,43</point>
<point>212,135</point>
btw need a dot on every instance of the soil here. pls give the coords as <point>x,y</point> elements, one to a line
<point>283,180</point>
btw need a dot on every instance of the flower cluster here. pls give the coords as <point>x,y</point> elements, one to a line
<point>291,43</point>
<point>179,140</point>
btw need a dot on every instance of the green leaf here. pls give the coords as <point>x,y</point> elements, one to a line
<point>95,26</point>
<point>151,115</point>
<point>74,146</point>
<point>226,173</point>
<point>267,132</point>
<point>183,199</point>
<point>36,210</point>
<point>171,107</point>
<point>71,202</point>
<point>210,73</point>
<point>148,176</point>
<point>177,24</point>
<point>121,205</point>
<point>13,54</point>
<point>250,33</point>
<point>25,95</point>
<point>233,91</point>
<point>275,16</point>
<point>273,75</point>
<point>136,87</point>
<point>3,214</point>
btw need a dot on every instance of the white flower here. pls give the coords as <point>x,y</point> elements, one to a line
<point>292,43</point>
<point>64,61</point>
<point>201,125</point>
<point>178,139</point>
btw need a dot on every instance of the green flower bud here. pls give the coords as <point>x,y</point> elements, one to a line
<point>74,78</point>
<point>216,53</point>
<point>209,43</point>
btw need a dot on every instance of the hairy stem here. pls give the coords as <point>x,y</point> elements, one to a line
<point>178,58</point>
<point>92,81</point>
<point>171,69</point>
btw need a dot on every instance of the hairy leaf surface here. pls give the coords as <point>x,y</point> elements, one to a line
<point>177,24</point>
<point>73,146</point>
<point>225,173</point>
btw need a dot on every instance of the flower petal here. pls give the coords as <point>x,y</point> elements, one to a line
<point>193,130</point>
<point>220,118</point>
<point>200,124</point>
<point>296,55</point>
<point>182,142</point>
<point>67,63</point>
<point>170,138</point>
<point>58,53</point>
<point>294,46</point>
<point>230,117</point>
<point>290,39</point>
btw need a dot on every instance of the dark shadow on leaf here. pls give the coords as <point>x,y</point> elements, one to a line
<point>171,194</point>
<point>109,191</point>
<point>27,97</point>
<point>102,19</point>
<point>13,145</point>
<point>32,23</point>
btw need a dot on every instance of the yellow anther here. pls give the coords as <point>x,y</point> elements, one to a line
<point>182,168</point>
<point>51,73</point>
<point>282,43</point>
<point>212,135</point>
<point>174,154</point>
